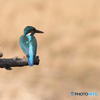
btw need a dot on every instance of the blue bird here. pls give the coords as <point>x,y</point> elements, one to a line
<point>28,43</point>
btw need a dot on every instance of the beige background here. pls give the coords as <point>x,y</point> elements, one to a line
<point>69,50</point>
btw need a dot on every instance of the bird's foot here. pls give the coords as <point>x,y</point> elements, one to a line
<point>16,58</point>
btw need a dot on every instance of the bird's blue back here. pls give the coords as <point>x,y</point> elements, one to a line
<point>28,44</point>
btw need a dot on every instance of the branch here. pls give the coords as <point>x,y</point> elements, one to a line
<point>7,63</point>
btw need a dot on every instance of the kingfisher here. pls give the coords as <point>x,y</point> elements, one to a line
<point>28,43</point>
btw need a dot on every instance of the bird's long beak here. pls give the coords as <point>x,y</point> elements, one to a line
<point>38,31</point>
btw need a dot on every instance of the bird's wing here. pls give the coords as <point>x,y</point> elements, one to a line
<point>24,44</point>
<point>32,49</point>
<point>33,42</point>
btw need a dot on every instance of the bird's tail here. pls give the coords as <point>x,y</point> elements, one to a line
<point>30,61</point>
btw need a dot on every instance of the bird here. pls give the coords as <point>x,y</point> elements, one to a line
<point>28,43</point>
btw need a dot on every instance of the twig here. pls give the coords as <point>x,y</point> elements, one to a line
<point>8,63</point>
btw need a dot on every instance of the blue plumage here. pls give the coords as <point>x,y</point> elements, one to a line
<point>28,43</point>
<point>31,51</point>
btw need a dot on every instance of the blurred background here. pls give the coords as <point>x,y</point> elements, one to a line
<point>69,49</point>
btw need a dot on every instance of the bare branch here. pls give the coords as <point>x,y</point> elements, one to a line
<point>8,63</point>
